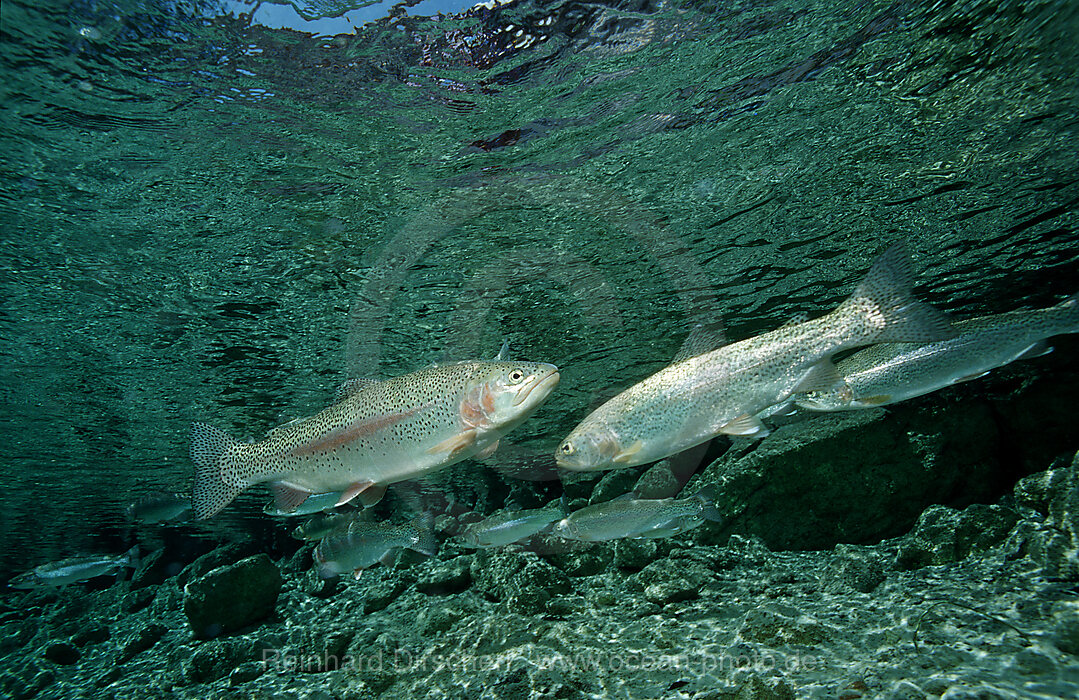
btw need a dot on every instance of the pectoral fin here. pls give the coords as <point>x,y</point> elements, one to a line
<point>875,400</point>
<point>627,454</point>
<point>746,425</point>
<point>454,445</point>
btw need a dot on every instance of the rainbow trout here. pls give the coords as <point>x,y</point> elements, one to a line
<point>512,526</point>
<point>75,569</point>
<point>636,518</point>
<point>890,372</point>
<point>363,544</point>
<point>721,390</point>
<point>378,433</point>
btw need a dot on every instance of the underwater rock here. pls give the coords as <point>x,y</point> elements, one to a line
<point>1054,542</point>
<point>613,484</point>
<point>667,582</point>
<point>246,672</point>
<point>232,597</point>
<point>520,580</point>
<point>743,551</point>
<point>856,477</point>
<point>216,659</point>
<point>583,558</point>
<point>222,556</point>
<point>92,633</point>
<point>139,599</point>
<point>142,640</point>
<point>317,649</point>
<point>658,482</point>
<point>378,593</point>
<point>904,690</point>
<point>773,629</point>
<point>28,684</point>
<point>944,535</point>
<point>755,688</point>
<point>1065,634</point>
<point>851,568</point>
<point>635,554</point>
<point>446,577</point>
<point>63,653</point>
<point>154,569</point>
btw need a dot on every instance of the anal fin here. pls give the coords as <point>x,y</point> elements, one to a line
<point>287,498</point>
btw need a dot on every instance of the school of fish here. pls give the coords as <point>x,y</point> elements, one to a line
<point>380,432</point>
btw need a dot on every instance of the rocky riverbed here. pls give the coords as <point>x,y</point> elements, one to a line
<point>980,601</point>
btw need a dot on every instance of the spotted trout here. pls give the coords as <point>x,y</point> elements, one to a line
<point>378,433</point>
<point>722,389</point>
<point>636,518</point>
<point>511,526</point>
<point>890,372</point>
<point>75,569</point>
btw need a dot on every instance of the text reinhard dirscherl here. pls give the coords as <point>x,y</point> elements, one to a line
<point>403,661</point>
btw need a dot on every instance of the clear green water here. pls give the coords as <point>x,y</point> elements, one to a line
<point>204,220</point>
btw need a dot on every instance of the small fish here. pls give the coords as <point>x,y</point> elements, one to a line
<point>160,508</point>
<point>512,526</point>
<point>711,390</point>
<point>314,503</point>
<point>376,434</point>
<point>75,569</point>
<point>322,525</point>
<point>363,544</point>
<point>628,517</point>
<point>884,374</point>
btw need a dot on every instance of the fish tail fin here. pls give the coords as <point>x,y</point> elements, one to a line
<point>424,540</point>
<point>1066,314</point>
<point>708,509</point>
<point>214,486</point>
<point>888,311</point>
<point>131,557</point>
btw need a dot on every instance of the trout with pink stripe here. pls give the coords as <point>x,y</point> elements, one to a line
<point>376,433</point>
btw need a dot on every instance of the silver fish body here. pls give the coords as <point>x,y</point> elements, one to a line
<point>363,544</point>
<point>378,433</point>
<point>637,518</point>
<point>890,372</point>
<point>722,390</point>
<point>323,525</point>
<point>160,508</point>
<point>73,570</point>
<point>312,505</point>
<point>512,526</point>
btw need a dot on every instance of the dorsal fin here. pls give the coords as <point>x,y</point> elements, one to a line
<point>351,386</point>
<point>701,339</point>
<point>504,353</point>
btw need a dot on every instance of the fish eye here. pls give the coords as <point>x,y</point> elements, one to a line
<point>567,448</point>
<point>517,375</point>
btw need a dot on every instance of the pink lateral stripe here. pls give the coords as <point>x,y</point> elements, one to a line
<point>357,430</point>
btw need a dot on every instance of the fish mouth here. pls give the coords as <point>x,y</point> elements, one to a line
<point>548,382</point>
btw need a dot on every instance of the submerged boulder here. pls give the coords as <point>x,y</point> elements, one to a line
<point>232,597</point>
<point>856,477</point>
